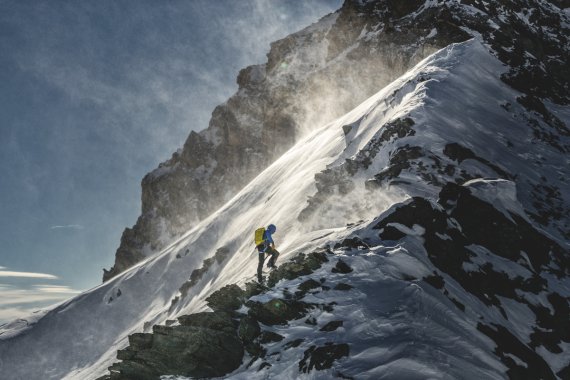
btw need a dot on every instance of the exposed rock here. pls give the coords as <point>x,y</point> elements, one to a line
<point>253,288</point>
<point>140,341</point>
<point>391,233</point>
<point>462,230</point>
<point>197,349</point>
<point>270,337</point>
<point>300,265</point>
<point>342,286</point>
<point>508,346</point>
<point>332,326</point>
<point>249,329</point>
<point>460,153</point>
<point>435,280</point>
<point>337,180</point>
<point>219,320</point>
<point>277,311</point>
<point>292,344</point>
<point>341,267</point>
<point>351,243</point>
<point>308,285</point>
<point>220,256</point>
<point>311,321</point>
<point>264,365</point>
<point>228,298</point>
<point>323,357</point>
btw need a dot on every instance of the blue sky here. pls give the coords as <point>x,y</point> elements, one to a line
<point>93,95</point>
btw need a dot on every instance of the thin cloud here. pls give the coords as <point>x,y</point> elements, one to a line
<point>68,226</point>
<point>7,273</point>
<point>17,302</point>
<point>55,289</point>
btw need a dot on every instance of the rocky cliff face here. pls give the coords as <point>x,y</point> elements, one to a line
<point>310,78</point>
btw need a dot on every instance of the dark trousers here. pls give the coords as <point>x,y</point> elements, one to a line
<point>271,252</point>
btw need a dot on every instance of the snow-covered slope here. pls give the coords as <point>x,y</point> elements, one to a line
<point>454,95</point>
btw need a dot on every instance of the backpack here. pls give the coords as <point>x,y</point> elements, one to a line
<point>259,236</point>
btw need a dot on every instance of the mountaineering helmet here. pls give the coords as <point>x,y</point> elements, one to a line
<point>271,228</point>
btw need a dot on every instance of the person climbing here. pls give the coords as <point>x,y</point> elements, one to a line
<point>265,245</point>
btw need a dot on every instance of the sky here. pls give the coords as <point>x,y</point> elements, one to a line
<point>95,94</point>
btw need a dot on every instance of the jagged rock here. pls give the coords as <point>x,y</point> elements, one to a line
<point>435,280</point>
<point>220,256</point>
<point>248,329</point>
<point>342,286</point>
<point>332,326</point>
<point>300,265</point>
<point>140,341</point>
<point>126,354</point>
<point>186,350</point>
<point>458,225</point>
<point>308,285</point>
<point>311,321</point>
<point>337,180</point>
<point>323,357</point>
<point>341,267</point>
<point>264,365</point>
<point>352,243</point>
<point>228,298</point>
<point>508,346</point>
<point>293,343</point>
<point>460,153</point>
<point>253,288</point>
<point>277,311</point>
<point>391,233</point>
<point>256,350</point>
<point>270,337</point>
<point>218,320</point>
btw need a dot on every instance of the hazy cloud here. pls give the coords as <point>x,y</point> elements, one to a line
<point>21,300</point>
<point>69,226</point>
<point>55,289</point>
<point>5,273</point>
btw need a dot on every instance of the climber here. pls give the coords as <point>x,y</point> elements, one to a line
<point>265,244</point>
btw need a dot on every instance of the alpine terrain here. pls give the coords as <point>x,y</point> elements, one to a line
<point>414,156</point>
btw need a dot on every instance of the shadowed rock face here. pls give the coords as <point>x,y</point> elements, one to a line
<point>465,237</point>
<point>204,345</point>
<point>310,78</point>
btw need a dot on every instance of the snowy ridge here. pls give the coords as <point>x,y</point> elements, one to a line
<point>79,339</point>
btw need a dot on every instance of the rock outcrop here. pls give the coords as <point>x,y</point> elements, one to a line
<point>212,344</point>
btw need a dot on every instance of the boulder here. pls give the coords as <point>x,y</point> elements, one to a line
<point>229,298</point>
<point>277,311</point>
